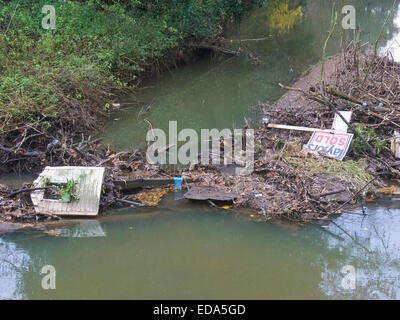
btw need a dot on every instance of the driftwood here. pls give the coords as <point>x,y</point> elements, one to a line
<point>130,202</point>
<point>215,48</point>
<point>246,40</point>
<point>144,183</point>
<point>329,193</point>
<point>13,194</point>
<point>22,153</point>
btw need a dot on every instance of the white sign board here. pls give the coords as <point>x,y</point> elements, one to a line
<point>333,145</point>
<point>339,124</point>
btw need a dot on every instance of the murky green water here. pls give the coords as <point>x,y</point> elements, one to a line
<point>219,93</point>
<point>180,250</point>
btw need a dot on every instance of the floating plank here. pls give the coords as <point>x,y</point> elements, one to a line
<point>88,189</point>
<point>209,193</point>
<point>124,185</point>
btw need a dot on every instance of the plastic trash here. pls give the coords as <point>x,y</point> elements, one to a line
<point>364,105</point>
<point>380,105</point>
<point>178,183</point>
<point>265,120</point>
<point>53,143</point>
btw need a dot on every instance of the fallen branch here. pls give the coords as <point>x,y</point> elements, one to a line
<point>130,202</point>
<point>246,40</point>
<point>216,48</point>
<point>329,193</point>
<point>13,194</point>
<point>324,101</point>
<point>355,195</point>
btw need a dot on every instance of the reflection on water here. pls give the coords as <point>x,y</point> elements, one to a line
<point>195,252</point>
<point>374,251</point>
<point>13,263</point>
<point>393,45</point>
<point>85,229</point>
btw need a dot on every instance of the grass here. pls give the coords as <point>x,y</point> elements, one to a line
<point>353,172</point>
<point>97,47</point>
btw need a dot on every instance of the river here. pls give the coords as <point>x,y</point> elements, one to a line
<point>182,250</point>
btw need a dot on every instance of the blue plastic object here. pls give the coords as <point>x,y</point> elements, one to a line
<point>178,183</point>
<point>380,105</point>
<point>53,143</point>
<point>364,105</point>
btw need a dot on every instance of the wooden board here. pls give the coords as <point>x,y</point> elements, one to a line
<point>209,193</point>
<point>125,185</point>
<point>297,128</point>
<point>88,189</point>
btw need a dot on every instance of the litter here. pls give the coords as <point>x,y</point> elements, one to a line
<point>178,183</point>
<point>88,186</point>
<point>332,145</point>
<point>125,185</point>
<point>395,144</point>
<point>339,124</point>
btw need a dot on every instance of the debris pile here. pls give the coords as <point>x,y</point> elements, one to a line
<point>287,182</point>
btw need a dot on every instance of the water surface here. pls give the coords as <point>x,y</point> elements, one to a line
<point>185,251</point>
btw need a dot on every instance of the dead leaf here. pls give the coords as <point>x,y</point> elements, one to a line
<point>151,197</point>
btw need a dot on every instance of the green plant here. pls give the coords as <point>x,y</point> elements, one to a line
<point>359,147</point>
<point>97,46</point>
<point>44,181</point>
<point>68,191</point>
